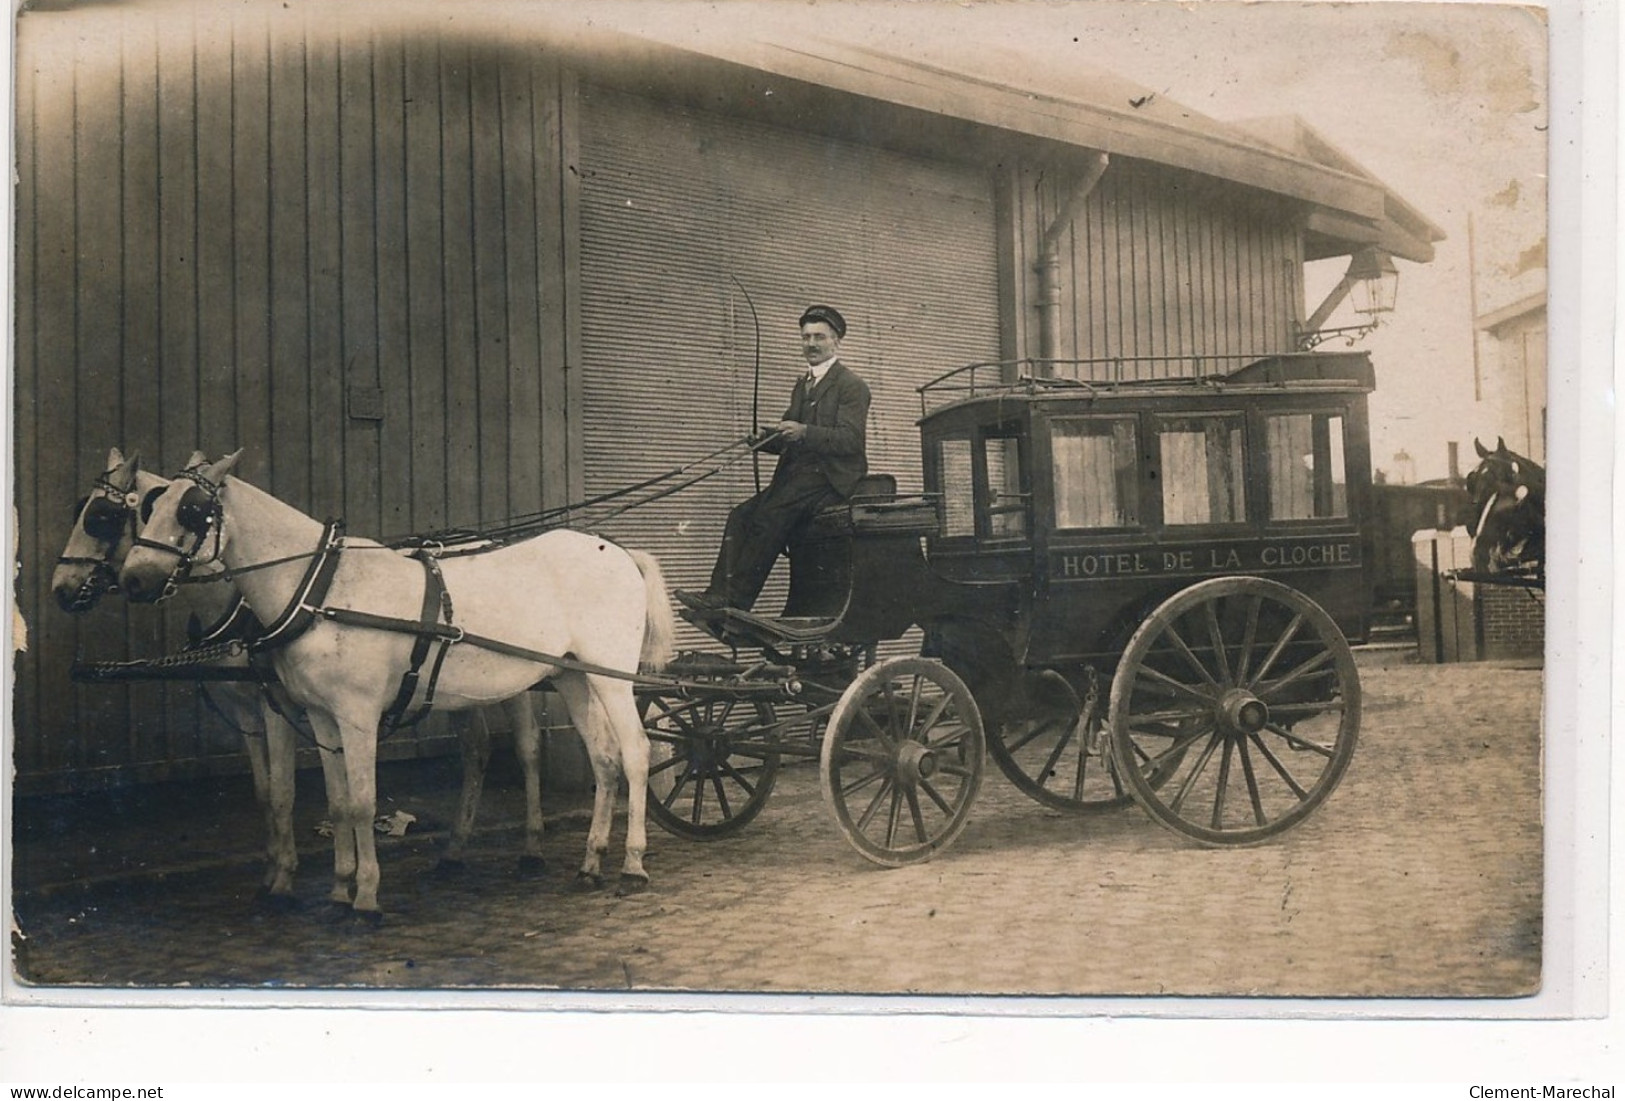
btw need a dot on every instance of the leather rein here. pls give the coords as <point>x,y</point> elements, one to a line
<point>434,629</point>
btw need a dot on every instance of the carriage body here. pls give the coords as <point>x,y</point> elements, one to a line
<point>1070,511</point>
<point>1199,544</point>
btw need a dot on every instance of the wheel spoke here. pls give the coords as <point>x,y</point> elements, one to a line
<point>676,789</point>
<point>1224,785</point>
<point>1055,754</point>
<point>1280,768</point>
<point>1275,651</point>
<point>955,768</point>
<point>894,818</point>
<point>1179,687</point>
<point>668,764</point>
<point>1036,728</point>
<point>1182,715</point>
<point>1216,637</point>
<point>942,804</point>
<point>722,796</point>
<point>1252,783</point>
<point>1189,655</point>
<point>699,800</point>
<point>1306,708</point>
<point>859,784</point>
<point>739,778</point>
<point>1249,636</point>
<point>932,718</point>
<point>1191,776</point>
<point>914,702</point>
<point>1297,674</point>
<point>914,813</point>
<point>1297,742</point>
<point>874,804</point>
<point>869,720</point>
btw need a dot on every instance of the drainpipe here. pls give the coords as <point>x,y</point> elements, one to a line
<point>1049,261</point>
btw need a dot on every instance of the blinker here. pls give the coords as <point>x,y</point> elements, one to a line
<point>104,520</point>
<point>196,511</point>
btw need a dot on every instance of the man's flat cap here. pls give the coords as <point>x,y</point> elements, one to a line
<point>829,315</point>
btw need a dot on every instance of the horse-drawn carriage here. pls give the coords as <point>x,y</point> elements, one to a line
<point>1126,591</point>
<point>1196,545</point>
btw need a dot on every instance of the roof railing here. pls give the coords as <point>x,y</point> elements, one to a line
<point>1100,374</point>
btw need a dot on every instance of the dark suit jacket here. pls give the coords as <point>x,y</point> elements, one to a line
<point>836,414</point>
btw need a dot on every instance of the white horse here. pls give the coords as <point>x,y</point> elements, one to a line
<point>106,525</point>
<point>507,609</point>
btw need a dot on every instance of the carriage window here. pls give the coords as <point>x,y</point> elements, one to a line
<point>1095,473</point>
<point>1203,473</point>
<point>1006,503</point>
<point>1308,479</point>
<point>958,489</point>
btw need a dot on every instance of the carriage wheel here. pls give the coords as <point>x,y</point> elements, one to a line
<point>712,762</point>
<point>902,760</point>
<point>1056,750</point>
<point>1239,703</point>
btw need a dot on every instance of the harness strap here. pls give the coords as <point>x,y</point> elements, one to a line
<point>452,634</point>
<point>426,634</point>
<point>302,610</point>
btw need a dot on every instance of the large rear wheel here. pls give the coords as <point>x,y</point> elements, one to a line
<point>1238,703</point>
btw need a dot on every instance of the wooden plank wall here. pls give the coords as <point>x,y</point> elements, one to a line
<point>333,245</point>
<point>1161,263</point>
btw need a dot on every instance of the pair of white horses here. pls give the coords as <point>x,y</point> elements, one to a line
<point>560,593</point>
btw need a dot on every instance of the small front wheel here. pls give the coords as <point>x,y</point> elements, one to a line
<point>712,762</point>
<point>902,760</point>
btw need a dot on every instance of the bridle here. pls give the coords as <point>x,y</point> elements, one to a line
<point>107,514</point>
<point>198,513</point>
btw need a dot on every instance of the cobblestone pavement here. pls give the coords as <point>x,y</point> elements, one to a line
<point>1421,876</point>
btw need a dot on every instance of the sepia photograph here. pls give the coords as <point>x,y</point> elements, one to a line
<point>976,503</point>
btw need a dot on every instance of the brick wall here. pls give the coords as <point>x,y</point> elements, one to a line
<point>1512,621</point>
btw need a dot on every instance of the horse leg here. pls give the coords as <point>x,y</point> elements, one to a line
<point>474,736</point>
<point>254,746</point>
<point>621,713</point>
<point>330,747</point>
<point>527,742</point>
<point>284,854</point>
<point>593,727</point>
<point>361,772</point>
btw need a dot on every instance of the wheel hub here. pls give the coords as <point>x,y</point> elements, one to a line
<point>915,762</point>
<point>1241,712</point>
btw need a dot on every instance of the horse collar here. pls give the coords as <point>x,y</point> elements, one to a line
<point>308,599</point>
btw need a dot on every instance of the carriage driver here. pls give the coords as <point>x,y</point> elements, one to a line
<point>820,444</point>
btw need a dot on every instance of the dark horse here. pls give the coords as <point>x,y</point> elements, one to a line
<point>1508,520</point>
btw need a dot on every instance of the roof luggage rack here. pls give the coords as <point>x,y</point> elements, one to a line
<point>1141,374</point>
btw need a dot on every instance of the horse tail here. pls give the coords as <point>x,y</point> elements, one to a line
<point>660,626</point>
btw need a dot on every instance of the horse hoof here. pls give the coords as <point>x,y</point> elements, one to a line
<point>631,885</point>
<point>531,866</point>
<point>448,867</point>
<point>586,881</point>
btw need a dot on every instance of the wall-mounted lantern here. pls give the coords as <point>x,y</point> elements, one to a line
<point>1372,281</point>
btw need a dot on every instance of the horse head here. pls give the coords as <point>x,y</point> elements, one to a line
<point>1508,519</point>
<point>105,526</point>
<point>179,523</point>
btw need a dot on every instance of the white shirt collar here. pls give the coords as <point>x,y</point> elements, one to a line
<point>818,369</point>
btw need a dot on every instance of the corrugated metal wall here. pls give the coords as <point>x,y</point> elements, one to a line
<point>336,248</point>
<point>389,265</point>
<point>1163,264</point>
<point>675,204</point>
